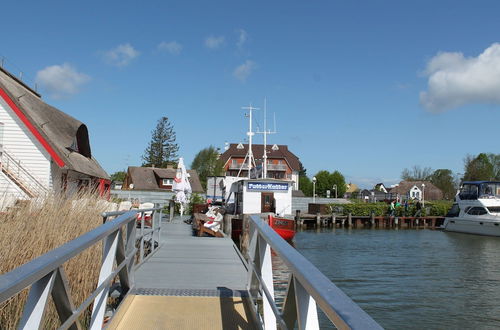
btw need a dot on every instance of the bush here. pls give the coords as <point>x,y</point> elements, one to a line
<point>434,208</point>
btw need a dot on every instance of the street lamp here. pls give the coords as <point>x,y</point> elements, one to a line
<point>335,187</point>
<point>314,189</point>
<point>423,199</point>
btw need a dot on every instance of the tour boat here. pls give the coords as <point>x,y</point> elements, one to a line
<point>283,226</point>
<point>476,209</point>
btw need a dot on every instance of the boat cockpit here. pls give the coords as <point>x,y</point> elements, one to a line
<point>479,189</point>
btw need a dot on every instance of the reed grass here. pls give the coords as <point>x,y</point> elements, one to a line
<point>34,228</point>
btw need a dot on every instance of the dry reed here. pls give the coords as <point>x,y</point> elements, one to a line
<point>33,229</point>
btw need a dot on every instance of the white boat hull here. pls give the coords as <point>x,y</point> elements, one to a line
<point>485,227</point>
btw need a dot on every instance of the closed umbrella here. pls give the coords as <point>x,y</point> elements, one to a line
<point>182,187</point>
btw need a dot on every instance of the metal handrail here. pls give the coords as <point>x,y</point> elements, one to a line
<point>31,182</point>
<point>337,306</point>
<point>45,274</point>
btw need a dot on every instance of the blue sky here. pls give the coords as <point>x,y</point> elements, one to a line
<point>364,87</point>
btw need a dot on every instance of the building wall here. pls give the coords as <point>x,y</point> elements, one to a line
<point>23,146</point>
<point>252,201</point>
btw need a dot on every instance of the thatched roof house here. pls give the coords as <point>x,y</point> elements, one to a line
<point>157,179</point>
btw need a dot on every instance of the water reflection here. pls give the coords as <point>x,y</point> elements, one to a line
<point>408,279</point>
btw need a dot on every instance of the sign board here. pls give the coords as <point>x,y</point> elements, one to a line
<point>267,186</point>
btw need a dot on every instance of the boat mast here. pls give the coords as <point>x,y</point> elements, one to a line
<point>250,133</point>
<point>265,132</point>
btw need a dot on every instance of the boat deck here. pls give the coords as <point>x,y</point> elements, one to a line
<point>189,283</point>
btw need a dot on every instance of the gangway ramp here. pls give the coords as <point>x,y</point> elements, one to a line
<point>189,283</point>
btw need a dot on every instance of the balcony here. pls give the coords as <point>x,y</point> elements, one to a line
<point>276,167</point>
<point>238,166</point>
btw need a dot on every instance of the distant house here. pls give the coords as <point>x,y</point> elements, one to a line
<point>42,149</point>
<point>281,162</point>
<point>380,187</point>
<point>351,188</point>
<point>157,179</point>
<point>416,190</point>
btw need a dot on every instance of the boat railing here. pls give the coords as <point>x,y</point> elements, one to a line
<point>307,287</point>
<point>47,277</point>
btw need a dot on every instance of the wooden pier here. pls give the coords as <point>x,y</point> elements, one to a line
<point>318,220</point>
<point>190,283</point>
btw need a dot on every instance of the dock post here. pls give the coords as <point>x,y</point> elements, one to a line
<point>298,222</point>
<point>172,210</point>
<point>396,221</point>
<point>372,219</point>
<point>349,220</point>
<point>334,220</point>
<point>318,220</point>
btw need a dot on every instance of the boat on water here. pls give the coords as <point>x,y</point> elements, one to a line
<point>283,226</point>
<point>476,209</point>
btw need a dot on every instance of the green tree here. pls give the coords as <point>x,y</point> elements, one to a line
<point>118,176</point>
<point>338,180</point>
<point>326,181</point>
<point>302,170</point>
<point>207,163</point>
<point>162,149</point>
<point>478,168</point>
<point>416,173</point>
<point>305,185</point>
<point>495,161</point>
<point>444,180</point>
<point>323,183</point>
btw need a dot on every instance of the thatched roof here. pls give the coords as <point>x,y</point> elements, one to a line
<point>59,130</point>
<point>258,150</point>
<point>431,191</point>
<point>146,178</point>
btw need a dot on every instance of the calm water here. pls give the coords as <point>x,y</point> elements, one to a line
<point>412,279</point>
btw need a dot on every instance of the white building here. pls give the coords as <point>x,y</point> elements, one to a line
<point>42,149</point>
<point>263,195</point>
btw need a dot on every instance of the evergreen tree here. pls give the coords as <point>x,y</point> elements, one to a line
<point>207,163</point>
<point>118,176</point>
<point>162,149</point>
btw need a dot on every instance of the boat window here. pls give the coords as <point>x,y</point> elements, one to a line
<point>477,211</point>
<point>494,209</point>
<point>490,190</point>
<point>469,191</point>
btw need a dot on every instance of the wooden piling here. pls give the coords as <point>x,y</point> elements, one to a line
<point>318,220</point>
<point>349,220</point>
<point>372,219</point>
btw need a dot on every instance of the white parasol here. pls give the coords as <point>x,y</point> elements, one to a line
<point>182,187</point>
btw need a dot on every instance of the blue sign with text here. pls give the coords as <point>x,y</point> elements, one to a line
<point>267,186</point>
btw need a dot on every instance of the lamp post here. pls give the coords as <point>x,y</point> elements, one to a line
<point>335,187</point>
<point>423,197</point>
<point>314,189</point>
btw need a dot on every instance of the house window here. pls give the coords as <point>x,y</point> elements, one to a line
<point>167,182</point>
<point>234,161</point>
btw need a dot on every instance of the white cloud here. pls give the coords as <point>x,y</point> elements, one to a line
<point>213,42</point>
<point>242,38</point>
<point>122,55</point>
<point>455,80</point>
<point>172,47</point>
<point>244,70</point>
<point>61,81</point>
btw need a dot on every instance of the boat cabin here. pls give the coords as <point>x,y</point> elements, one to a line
<point>254,196</point>
<point>472,190</point>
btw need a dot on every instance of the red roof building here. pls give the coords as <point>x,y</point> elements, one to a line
<point>281,162</point>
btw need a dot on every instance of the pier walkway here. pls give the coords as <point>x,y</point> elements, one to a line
<point>189,283</point>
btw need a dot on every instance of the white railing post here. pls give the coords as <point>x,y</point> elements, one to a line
<point>108,258</point>
<point>37,302</point>
<point>307,314</point>
<point>266,273</point>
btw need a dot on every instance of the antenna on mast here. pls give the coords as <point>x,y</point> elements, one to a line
<point>250,133</point>
<point>265,133</point>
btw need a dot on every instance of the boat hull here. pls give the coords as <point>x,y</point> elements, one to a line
<point>283,227</point>
<point>468,226</point>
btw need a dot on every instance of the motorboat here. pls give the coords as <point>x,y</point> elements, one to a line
<point>476,209</point>
<point>283,226</point>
